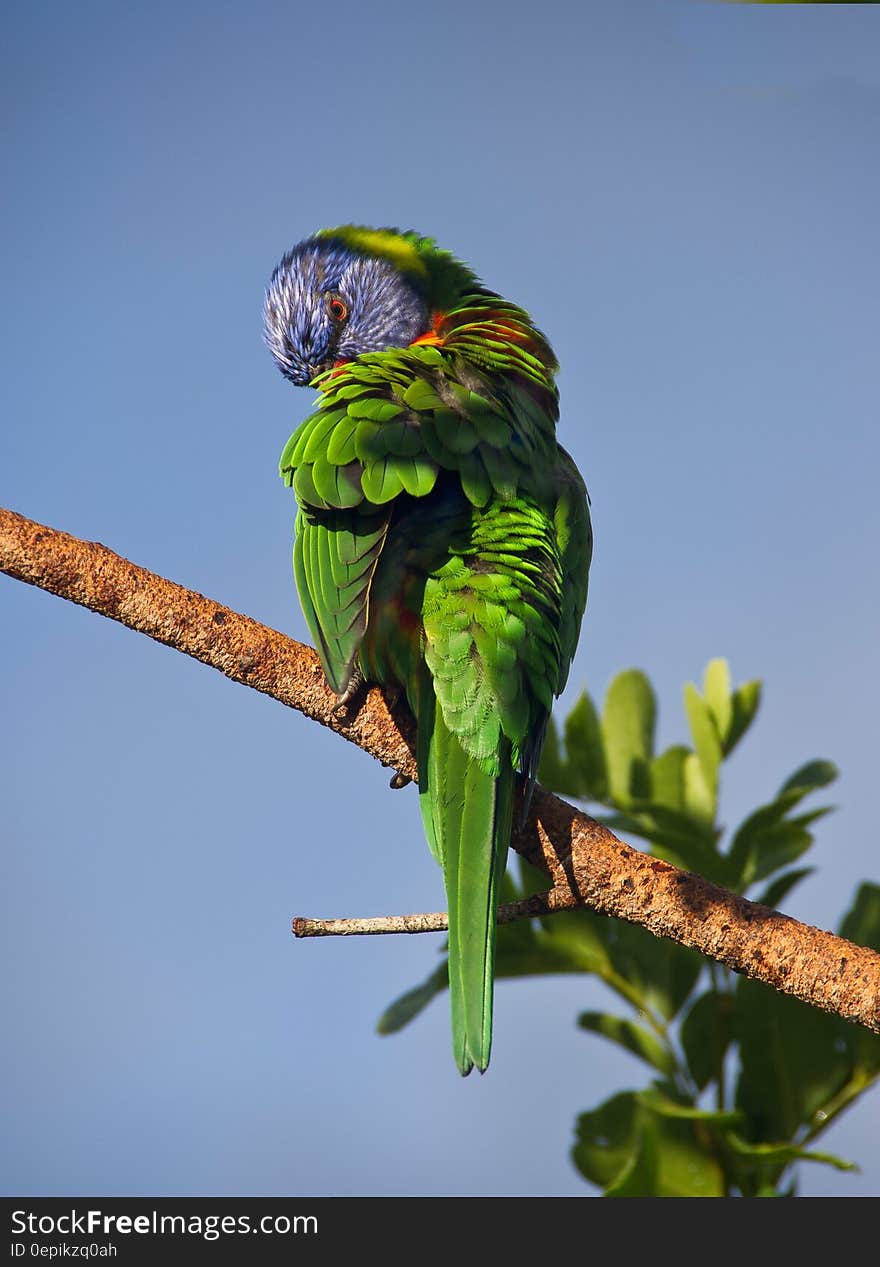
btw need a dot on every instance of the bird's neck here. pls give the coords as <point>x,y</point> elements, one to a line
<point>496,336</point>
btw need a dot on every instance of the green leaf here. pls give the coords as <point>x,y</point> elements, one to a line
<point>745,701</point>
<point>629,1150</point>
<point>586,754</point>
<point>553,772</point>
<point>767,840</point>
<point>641,1178</point>
<point>531,879</point>
<point>767,1189</point>
<point>778,847</point>
<point>717,692</point>
<point>861,924</point>
<point>510,891</point>
<point>660,973</point>
<point>581,772</point>
<point>775,1155</point>
<point>407,1007</point>
<point>677,838</point>
<point>628,721</point>
<point>809,777</point>
<point>706,739</point>
<point>653,1099</point>
<point>571,942</point>
<point>672,846</point>
<point>636,1039</point>
<point>793,1060</point>
<point>706,1033</point>
<point>783,885</point>
<point>667,777</point>
<point>764,816</point>
<point>698,796</point>
<point>605,1140</point>
<point>520,936</point>
<point>578,939</point>
<point>650,973</point>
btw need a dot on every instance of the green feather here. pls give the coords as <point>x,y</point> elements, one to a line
<point>341,445</point>
<point>471,812</point>
<point>475,482</point>
<point>376,410</point>
<point>417,476</point>
<point>403,439</point>
<point>381,481</point>
<point>368,442</point>
<point>421,396</point>
<point>316,442</point>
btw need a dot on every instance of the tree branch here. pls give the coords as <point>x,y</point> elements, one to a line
<point>587,864</point>
<point>435,922</point>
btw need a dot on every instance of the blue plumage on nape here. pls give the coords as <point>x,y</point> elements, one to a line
<point>327,304</point>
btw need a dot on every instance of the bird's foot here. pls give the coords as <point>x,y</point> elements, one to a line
<point>343,706</point>
<point>391,695</point>
<point>399,780</point>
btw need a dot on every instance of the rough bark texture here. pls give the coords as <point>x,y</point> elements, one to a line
<point>87,573</point>
<point>588,865</point>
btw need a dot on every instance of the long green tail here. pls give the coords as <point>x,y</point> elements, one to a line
<point>468,816</point>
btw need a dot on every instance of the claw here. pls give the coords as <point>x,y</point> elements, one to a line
<point>355,686</point>
<point>392,698</point>
<point>399,780</point>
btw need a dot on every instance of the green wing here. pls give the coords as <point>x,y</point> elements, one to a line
<point>334,566</point>
<point>387,424</point>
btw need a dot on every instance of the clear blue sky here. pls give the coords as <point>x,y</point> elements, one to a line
<point>686,197</point>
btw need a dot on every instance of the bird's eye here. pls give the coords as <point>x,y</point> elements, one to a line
<point>337,307</point>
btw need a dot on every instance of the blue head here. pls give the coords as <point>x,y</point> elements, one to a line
<point>327,302</point>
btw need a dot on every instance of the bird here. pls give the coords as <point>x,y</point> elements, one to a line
<point>442,543</point>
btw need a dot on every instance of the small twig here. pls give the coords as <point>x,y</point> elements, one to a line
<point>587,864</point>
<point>435,922</point>
<point>370,926</point>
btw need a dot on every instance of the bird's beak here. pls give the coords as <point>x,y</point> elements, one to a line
<point>326,368</point>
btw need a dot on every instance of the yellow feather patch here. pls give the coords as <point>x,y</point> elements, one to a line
<point>383,242</point>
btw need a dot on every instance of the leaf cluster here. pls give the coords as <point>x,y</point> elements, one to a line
<point>744,1079</point>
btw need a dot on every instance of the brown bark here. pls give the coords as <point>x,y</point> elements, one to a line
<point>588,865</point>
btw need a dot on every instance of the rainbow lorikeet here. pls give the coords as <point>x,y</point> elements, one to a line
<point>443,539</point>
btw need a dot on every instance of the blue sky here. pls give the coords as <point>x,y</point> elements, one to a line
<point>685,196</point>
